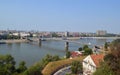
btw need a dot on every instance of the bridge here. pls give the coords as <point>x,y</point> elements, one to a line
<point>69,40</point>
<point>40,40</point>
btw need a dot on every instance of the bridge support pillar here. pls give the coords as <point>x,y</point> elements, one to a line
<point>40,42</point>
<point>66,46</point>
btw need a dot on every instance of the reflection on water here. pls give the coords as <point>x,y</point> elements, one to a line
<point>31,53</point>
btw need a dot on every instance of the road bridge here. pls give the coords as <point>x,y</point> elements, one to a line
<point>40,40</point>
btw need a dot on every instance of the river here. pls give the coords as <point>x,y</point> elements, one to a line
<point>31,53</point>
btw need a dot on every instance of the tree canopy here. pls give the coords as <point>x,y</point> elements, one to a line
<point>87,50</point>
<point>7,66</point>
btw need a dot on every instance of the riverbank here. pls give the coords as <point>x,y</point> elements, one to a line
<point>101,37</point>
<point>77,38</point>
<point>14,41</point>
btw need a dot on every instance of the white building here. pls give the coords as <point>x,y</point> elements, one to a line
<point>101,32</point>
<point>15,34</point>
<point>24,34</point>
<point>91,63</point>
<point>66,34</point>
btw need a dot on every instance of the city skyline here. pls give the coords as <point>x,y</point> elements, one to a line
<point>60,15</point>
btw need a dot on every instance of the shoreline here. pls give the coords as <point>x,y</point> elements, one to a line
<point>54,38</point>
<point>77,38</point>
<point>13,41</point>
<point>101,37</point>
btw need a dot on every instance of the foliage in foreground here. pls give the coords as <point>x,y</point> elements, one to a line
<point>7,66</point>
<point>51,67</point>
<point>38,67</point>
<point>104,69</point>
<point>76,67</point>
<point>111,64</point>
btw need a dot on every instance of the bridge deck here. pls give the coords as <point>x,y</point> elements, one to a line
<point>58,39</point>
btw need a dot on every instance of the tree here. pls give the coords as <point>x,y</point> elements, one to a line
<point>68,54</point>
<point>106,45</point>
<point>54,35</point>
<point>76,67</point>
<point>34,70</point>
<point>80,49</point>
<point>104,69</point>
<point>9,59</point>
<point>115,57</point>
<point>38,67</point>
<point>7,64</point>
<point>85,46</point>
<point>87,51</point>
<point>56,57</point>
<point>21,67</point>
<point>111,64</point>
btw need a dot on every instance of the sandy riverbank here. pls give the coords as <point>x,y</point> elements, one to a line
<point>15,41</point>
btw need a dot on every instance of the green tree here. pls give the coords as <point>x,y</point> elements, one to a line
<point>54,35</point>
<point>34,70</point>
<point>87,51</point>
<point>106,45</point>
<point>21,67</point>
<point>56,57</point>
<point>111,64</point>
<point>38,67</point>
<point>68,54</point>
<point>104,69</point>
<point>7,65</point>
<point>115,57</point>
<point>76,67</point>
<point>80,49</point>
<point>85,46</point>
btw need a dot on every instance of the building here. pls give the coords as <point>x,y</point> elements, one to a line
<point>66,34</point>
<point>101,32</point>
<point>75,54</point>
<point>15,34</point>
<point>91,63</point>
<point>24,34</point>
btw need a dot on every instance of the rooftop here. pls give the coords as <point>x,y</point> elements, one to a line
<point>97,58</point>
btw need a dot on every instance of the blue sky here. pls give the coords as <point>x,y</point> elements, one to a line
<point>60,15</point>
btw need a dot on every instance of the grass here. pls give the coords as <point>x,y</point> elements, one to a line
<point>56,65</point>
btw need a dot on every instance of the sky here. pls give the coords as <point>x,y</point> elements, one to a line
<point>60,15</point>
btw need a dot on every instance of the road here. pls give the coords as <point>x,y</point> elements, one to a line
<point>63,71</point>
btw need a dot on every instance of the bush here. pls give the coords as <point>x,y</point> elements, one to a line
<point>68,54</point>
<point>76,67</point>
<point>80,49</point>
<point>88,51</point>
<point>85,46</point>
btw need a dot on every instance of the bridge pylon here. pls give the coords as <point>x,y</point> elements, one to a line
<point>40,42</point>
<point>66,46</point>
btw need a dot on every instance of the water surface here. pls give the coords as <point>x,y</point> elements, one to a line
<point>32,52</point>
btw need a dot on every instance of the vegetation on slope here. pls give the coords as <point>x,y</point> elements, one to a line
<point>111,64</point>
<point>54,66</point>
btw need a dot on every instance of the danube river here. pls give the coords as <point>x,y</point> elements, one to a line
<point>31,53</point>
